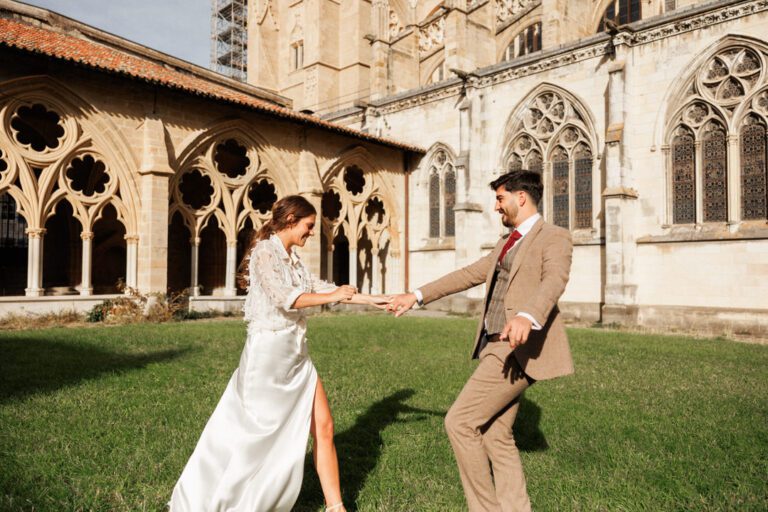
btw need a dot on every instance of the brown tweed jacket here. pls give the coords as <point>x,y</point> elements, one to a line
<point>538,278</point>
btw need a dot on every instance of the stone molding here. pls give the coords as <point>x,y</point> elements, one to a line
<point>635,34</point>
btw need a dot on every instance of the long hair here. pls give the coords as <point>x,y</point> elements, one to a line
<point>286,212</point>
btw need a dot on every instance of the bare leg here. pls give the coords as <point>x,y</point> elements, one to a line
<point>324,451</point>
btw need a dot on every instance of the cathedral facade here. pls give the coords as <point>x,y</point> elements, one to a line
<point>647,120</point>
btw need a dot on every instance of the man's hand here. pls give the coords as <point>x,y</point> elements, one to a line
<point>343,292</point>
<point>516,331</point>
<point>401,303</point>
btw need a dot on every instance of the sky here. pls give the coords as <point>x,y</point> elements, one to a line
<point>177,27</point>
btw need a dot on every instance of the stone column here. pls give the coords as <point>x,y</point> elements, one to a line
<point>230,290</point>
<point>375,271</point>
<point>193,285</point>
<point>468,210</point>
<point>86,288</point>
<point>620,302</point>
<point>35,263</point>
<point>155,173</point>
<point>329,264</point>
<point>353,261</point>
<point>132,256</point>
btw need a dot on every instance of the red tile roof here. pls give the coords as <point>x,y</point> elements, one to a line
<point>47,41</point>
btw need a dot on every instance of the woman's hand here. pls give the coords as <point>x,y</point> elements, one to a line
<point>379,301</point>
<point>343,292</point>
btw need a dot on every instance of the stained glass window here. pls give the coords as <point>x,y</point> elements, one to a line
<point>754,173</point>
<point>715,164</point>
<point>560,200</point>
<point>683,177</point>
<point>583,170</point>
<point>434,205</point>
<point>450,201</point>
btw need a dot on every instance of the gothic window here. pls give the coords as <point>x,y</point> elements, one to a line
<point>442,196</point>
<point>754,172</point>
<point>621,12</point>
<point>449,197</point>
<point>552,121</point>
<point>703,153</point>
<point>534,161</point>
<point>583,192</point>
<point>526,41</point>
<point>434,204</point>
<point>560,187</point>
<point>714,162</point>
<point>684,176</point>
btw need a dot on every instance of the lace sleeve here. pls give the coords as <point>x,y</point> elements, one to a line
<point>320,286</point>
<point>267,271</point>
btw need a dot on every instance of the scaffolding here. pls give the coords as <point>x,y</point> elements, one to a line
<point>229,38</point>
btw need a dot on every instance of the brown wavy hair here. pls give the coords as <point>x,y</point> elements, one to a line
<point>286,213</point>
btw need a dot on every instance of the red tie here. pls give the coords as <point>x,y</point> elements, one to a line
<point>514,237</point>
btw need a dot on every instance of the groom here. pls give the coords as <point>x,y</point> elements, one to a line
<point>520,340</point>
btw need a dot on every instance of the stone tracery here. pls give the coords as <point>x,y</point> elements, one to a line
<point>715,134</point>
<point>52,159</point>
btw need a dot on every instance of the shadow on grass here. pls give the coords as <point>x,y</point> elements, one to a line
<point>528,435</point>
<point>32,366</point>
<point>359,449</point>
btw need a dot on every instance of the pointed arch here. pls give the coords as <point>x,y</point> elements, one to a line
<point>584,118</point>
<point>82,123</point>
<point>710,161</point>
<point>552,132</point>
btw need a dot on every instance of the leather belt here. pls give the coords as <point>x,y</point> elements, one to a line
<point>493,337</point>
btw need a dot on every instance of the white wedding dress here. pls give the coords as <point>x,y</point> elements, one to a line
<point>250,456</point>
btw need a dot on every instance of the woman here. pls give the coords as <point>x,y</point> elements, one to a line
<point>250,456</point>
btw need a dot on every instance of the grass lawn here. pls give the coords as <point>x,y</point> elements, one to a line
<point>104,418</point>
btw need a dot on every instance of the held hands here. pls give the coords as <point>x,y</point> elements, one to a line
<point>379,301</point>
<point>401,303</point>
<point>516,331</point>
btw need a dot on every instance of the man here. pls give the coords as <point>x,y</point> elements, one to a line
<point>520,340</point>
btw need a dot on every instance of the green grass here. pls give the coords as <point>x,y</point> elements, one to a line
<point>104,418</point>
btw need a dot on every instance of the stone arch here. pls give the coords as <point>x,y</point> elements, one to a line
<point>585,119</point>
<point>511,32</point>
<point>434,63</point>
<point>676,96</point>
<point>198,151</point>
<point>85,127</point>
<point>436,181</point>
<point>705,177</point>
<point>548,118</point>
<point>229,205</point>
<point>42,161</point>
<point>353,219</point>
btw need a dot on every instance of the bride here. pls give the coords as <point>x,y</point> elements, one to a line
<point>250,456</point>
